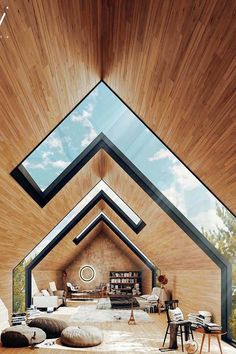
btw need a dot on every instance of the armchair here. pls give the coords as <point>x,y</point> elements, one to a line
<point>54,290</point>
<point>71,289</point>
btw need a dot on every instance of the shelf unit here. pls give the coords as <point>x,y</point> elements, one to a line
<point>123,282</point>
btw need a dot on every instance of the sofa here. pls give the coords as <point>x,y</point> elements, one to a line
<point>41,301</point>
<point>49,298</point>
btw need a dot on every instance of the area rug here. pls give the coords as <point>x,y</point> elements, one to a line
<point>114,341</point>
<point>91,314</point>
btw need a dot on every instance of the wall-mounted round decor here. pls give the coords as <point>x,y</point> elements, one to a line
<point>87,273</point>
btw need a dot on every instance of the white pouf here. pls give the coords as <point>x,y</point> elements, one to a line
<point>81,337</point>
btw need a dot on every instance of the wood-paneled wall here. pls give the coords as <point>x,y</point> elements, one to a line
<point>193,277</point>
<point>48,63</point>
<point>173,63</point>
<point>104,255</point>
<point>196,290</point>
<point>41,279</point>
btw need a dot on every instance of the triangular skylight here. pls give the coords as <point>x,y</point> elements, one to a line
<point>103,112</point>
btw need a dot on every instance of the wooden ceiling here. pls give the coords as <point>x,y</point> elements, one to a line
<point>161,240</point>
<point>172,62</point>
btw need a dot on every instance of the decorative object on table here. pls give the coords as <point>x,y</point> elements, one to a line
<point>210,334</point>
<point>132,319</point>
<point>22,336</point>
<point>191,347</point>
<point>174,314</point>
<point>81,337</point>
<point>51,326</point>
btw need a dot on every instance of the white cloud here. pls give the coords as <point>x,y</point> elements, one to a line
<point>54,142</point>
<point>175,198</point>
<point>59,164</point>
<point>89,138</point>
<point>208,220</point>
<point>39,166</point>
<point>46,154</point>
<point>163,154</point>
<point>83,118</point>
<point>184,177</point>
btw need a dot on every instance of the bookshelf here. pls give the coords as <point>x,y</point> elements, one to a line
<point>123,282</point>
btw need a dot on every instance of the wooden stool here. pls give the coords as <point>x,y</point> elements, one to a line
<point>216,334</point>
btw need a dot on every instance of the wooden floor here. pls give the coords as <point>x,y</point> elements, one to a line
<point>139,338</point>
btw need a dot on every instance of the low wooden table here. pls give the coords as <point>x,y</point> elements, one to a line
<point>216,334</point>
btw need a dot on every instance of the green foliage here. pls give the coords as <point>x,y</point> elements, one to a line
<point>19,288</point>
<point>233,324</point>
<point>224,238</point>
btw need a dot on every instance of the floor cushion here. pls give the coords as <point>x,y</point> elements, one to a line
<point>51,326</point>
<point>22,336</point>
<point>81,336</point>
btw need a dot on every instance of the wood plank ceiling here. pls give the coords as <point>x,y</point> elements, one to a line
<point>172,62</point>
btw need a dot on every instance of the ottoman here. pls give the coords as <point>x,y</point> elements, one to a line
<point>22,336</point>
<point>51,326</point>
<point>81,337</point>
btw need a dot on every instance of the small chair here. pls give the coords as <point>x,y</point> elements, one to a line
<point>72,288</point>
<point>182,324</point>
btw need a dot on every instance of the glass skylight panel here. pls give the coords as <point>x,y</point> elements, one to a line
<point>123,206</point>
<point>102,111</point>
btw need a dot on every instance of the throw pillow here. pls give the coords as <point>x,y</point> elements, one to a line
<point>176,315</point>
<point>51,326</point>
<point>45,292</point>
<point>50,291</point>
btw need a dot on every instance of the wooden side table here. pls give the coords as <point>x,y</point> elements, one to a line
<point>216,334</point>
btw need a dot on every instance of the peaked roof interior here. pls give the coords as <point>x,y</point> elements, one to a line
<point>171,62</point>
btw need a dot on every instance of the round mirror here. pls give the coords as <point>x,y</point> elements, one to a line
<point>87,273</point>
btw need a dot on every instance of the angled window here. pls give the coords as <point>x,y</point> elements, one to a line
<point>103,114</point>
<point>103,217</point>
<point>99,218</point>
<point>100,191</point>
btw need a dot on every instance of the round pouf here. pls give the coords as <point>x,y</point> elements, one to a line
<point>81,337</point>
<point>22,336</point>
<point>51,326</point>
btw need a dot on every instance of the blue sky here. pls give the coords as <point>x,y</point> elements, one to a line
<point>103,112</point>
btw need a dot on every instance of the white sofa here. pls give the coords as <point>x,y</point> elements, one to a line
<point>47,301</point>
<point>49,298</point>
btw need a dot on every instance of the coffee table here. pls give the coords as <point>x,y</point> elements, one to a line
<point>216,334</point>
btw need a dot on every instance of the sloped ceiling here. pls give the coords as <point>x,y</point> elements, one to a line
<point>171,62</point>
